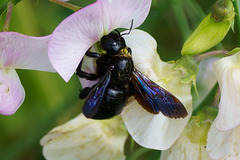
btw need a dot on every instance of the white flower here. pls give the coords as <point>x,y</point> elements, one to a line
<point>191,145</point>
<point>148,130</point>
<point>86,139</point>
<point>223,145</point>
<point>227,71</point>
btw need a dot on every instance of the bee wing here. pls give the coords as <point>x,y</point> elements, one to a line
<point>95,96</point>
<point>156,99</point>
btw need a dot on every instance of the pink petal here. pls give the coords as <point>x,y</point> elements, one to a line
<point>11,92</point>
<point>77,33</point>
<point>24,52</point>
<point>120,13</point>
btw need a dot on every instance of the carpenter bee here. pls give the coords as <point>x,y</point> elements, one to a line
<point>119,80</point>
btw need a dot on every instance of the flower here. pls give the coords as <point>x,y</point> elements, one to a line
<point>77,33</point>
<point>18,51</point>
<point>190,145</point>
<point>223,145</point>
<point>192,142</point>
<point>80,31</point>
<point>83,138</point>
<point>148,130</point>
<point>227,71</point>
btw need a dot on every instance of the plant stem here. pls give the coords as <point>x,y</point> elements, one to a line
<point>8,17</point>
<point>203,56</point>
<point>217,96</point>
<point>67,5</point>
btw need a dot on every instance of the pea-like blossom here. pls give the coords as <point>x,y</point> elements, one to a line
<point>223,137</point>
<point>223,145</point>
<point>227,71</point>
<point>80,31</point>
<point>18,51</point>
<point>83,138</point>
<point>191,144</point>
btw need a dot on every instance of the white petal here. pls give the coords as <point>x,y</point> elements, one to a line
<point>148,130</point>
<point>86,139</point>
<point>227,71</point>
<point>24,52</point>
<point>12,93</point>
<point>190,145</point>
<point>77,33</point>
<point>223,145</point>
<point>205,79</point>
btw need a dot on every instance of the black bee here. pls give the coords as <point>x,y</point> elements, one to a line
<point>119,80</point>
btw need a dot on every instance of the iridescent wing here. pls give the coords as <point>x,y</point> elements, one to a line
<point>156,99</point>
<point>94,98</point>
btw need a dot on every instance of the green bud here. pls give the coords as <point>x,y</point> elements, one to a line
<point>189,68</point>
<point>223,11</point>
<point>211,30</point>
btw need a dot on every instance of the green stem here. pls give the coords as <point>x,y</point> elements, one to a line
<point>206,100</point>
<point>203,56</point>
<point>138,153</point>
<point>67,5</point>
<point>8,17</point>
<point>181,18</point>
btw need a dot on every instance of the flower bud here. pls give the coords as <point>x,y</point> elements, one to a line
<point>223,11</point>
<point>211,30</point>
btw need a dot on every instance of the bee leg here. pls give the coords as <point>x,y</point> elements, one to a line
<point>82,74</point>
<point>85,91</point>
<point>92,54</point>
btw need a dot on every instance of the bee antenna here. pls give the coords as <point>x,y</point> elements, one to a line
<point>129,29</point>
<point>118,32</point>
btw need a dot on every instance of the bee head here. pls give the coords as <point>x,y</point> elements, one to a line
<point>112,43</point>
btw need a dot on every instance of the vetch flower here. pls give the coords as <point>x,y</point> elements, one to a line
<point>227,71</point>
<point>148,130</point>
<point>18,51</point>
<point>223,145</point>
<point>192,142</point>
<point>78,32</point>
<point>86,139</point>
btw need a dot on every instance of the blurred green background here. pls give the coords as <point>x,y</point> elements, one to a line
<point>50,101</point>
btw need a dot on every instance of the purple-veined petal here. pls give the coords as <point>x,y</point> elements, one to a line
<point>24,52</point>
<point>120,13</point>
<point>77,33</point>
<point>12,93</point>
<point>148,130</point>
<point>223,145</point>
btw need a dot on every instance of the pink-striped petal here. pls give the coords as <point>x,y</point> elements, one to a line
<point>77,33</point>
<point>11,92</point>
<point>24,52</point>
